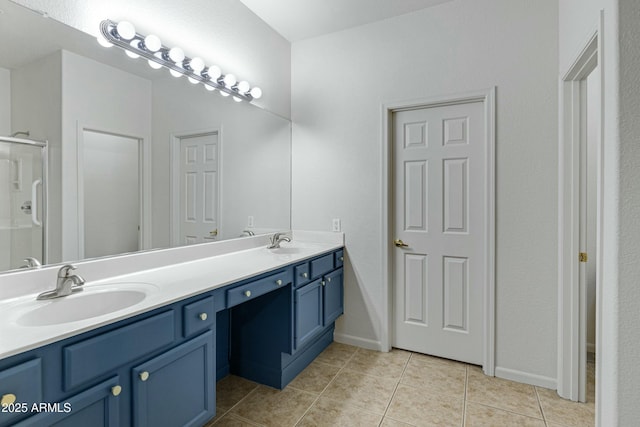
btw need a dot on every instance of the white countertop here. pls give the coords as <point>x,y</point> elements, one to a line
<point>171,283</point>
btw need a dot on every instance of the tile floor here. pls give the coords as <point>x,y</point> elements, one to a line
<point>350,386</point>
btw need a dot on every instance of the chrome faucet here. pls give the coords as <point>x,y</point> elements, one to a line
<point>31,262</point>
<point>276,239</point>
<point>248,233</point>
<point>66,284</point>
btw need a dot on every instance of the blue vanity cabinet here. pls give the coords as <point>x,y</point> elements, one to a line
<point>97,406</point>
<point>308,312</point>
<point>333,296</point>
<point>94,379</point>
<point>176,388</point>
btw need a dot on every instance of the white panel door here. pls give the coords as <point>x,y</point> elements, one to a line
<point>111,182</point>
<point>199,184</point>
<point>439,178</point>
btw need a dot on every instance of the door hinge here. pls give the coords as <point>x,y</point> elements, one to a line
<point>583,257</point>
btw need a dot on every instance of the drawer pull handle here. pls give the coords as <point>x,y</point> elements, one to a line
<point>144,375</point>
<point>116,390</point>
<point>328,279</point>
<point>203,316</point>
<point>279,282</point>
<point>247,293</point>
<point>8,399</point>
<point>305,275</point>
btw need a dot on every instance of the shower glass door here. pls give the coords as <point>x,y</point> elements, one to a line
<point>22,202</point>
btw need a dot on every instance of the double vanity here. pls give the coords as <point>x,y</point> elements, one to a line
<point>145,347</point>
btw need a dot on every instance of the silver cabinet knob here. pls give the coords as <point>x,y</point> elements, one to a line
<point>203,316</point>
<point>305,275</point>
<point>328,279</point>
<point>247,293</point>
<point>341,258</point>
<point>323,283</point>
<point>8,399</point>
<point>144,375</point>
<point>279,282</point>
<point>116,390</point>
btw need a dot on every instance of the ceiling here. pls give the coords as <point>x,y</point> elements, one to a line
<point>301,19</point>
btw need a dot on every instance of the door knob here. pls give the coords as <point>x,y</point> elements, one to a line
<point>399,243</point>
<point>213,233</point>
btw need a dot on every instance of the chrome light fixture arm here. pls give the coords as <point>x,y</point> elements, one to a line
<point>135,44</point>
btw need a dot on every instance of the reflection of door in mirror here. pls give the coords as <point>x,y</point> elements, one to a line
<point>199,184</point>
<point>111,181</point>
<point>22,208</point>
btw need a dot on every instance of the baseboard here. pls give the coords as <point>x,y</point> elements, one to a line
<point>357,341</point>
<point>527,378</point>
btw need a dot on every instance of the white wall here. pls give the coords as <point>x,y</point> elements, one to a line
<point>255,158</point>
<point>106,99</point>
<point>5,102</point>
<point>339,83</point>
<point>222,32</point>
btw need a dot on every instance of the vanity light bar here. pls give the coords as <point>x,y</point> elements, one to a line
<point>124,35</point>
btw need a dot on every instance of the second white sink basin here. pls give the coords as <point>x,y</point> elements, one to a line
<point>93,301</point>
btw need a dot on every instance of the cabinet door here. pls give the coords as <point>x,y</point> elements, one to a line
<point>176,388</point>
<point>333,296</point>
<point>308,312</point>
<point>95,407</point>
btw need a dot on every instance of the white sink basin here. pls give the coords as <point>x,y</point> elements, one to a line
<point>93,301</point>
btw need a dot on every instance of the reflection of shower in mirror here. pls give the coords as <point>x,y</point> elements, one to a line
<point>23,199</point>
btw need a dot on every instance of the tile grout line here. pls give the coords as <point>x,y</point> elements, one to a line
<point>464,400</point>
<point>544,417</point>
<point>326,387</point>
<point>236,404</point>
<point>395,389</point>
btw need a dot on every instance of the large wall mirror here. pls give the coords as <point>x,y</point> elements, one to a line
<point>134,159</point>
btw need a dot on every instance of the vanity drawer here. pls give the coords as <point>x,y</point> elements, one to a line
<point>338,260</point>
<point>198,316</point>
<point>19,385</point>
<point>301,274</point>
<point>256,288</point>
<point>104,353</point>
<point>322,265</point>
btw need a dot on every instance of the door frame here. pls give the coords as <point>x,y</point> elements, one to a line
<point>144,182</point>
<point>571,364</point>
<point>174,172</point>
<point>487,97</point>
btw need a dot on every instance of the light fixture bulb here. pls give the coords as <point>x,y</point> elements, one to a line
<point>223,93</point>
<point>193,81</point>
<point>154,65</point>
<point>196,64</point>
<point>256,93</point>
<point>176,54</point>
<point>237,99</point>
<point>152,43</point>
<point>229,80</point>
<point>214,73</point>
<point>103,42</point>
<point>209,87</point>
<point>243,87</point>
<point>175,73</point>
<point>126,30</point>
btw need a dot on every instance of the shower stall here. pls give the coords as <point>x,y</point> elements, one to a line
<point>23,202</point>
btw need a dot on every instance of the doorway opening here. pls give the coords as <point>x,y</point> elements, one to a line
<point>580,225</point>
<point>110,193</point>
